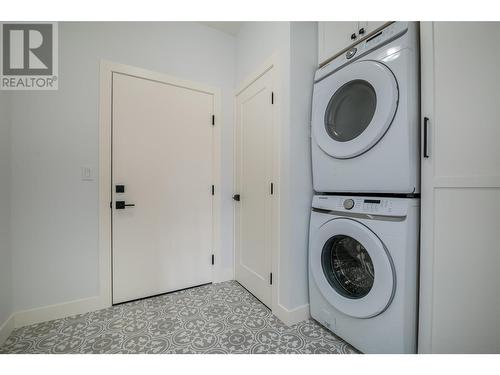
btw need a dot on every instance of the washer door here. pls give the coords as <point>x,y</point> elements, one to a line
<point>352,268</point>
<point>353,108</point>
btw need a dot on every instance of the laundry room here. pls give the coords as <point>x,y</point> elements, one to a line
<point>233,183</point>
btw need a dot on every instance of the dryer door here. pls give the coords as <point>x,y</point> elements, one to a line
<point>353,108</point>
<point>352,268</point>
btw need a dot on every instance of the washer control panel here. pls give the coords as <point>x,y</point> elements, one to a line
<point>362,205</point>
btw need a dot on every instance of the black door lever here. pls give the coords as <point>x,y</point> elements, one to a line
<point>120,205</point>
<point>236,197</point>
<point>426,135</point>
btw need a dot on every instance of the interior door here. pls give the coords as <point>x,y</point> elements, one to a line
<point>253,213</point>
<point>162,151</point>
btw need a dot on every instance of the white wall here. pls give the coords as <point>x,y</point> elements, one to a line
<point>303,63</point>
<point>54,214</point>
<point>295,44</point>
<point>256,42</point>
<point>5,249</point>
<point>54,232</point>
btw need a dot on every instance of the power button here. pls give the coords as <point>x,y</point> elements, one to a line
<point>348,204</point>
<point>350,54</point>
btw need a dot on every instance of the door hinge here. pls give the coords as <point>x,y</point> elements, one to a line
<point>272,97</point>
<point>110,204</point>
<point>213,120</point>
<point>271,278</point>
<point>272,188</point>
<point>213,189</point>
<point>213,259</point>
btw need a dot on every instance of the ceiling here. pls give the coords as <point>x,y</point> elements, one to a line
<point>230,28</point>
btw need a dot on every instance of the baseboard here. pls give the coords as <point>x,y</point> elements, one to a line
<point>292,316</point>
<point>6,328</point>
<point>226,274</point>
<point>61,310</point>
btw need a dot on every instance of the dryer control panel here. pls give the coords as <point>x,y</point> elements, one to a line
<point>362,205</point>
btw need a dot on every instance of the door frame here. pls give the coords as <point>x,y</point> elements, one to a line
<point>107,68</point>
<point>270,63</point>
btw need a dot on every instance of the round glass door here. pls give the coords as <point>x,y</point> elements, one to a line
<point>350,110</point>
<point>352,268</point>
<point>353,108</point>
<point>347,266</point>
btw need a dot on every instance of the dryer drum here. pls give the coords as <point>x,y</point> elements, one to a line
<point>347,266</point>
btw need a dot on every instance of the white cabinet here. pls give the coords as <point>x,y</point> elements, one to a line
<point>333,37</point>
<point>370,26</point>
<point>460,244</point>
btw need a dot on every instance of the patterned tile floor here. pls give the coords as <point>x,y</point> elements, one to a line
<point>217,318</point>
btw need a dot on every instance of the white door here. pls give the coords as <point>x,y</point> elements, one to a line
<point>162,149</point>
<point>253,161</point>
<point>460,255</point>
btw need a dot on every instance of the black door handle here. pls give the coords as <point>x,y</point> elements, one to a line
<point>236,197</point>
<point>426,130</point>
<point>353,36</point>
<point>361,31</point>
<point>120,205</point>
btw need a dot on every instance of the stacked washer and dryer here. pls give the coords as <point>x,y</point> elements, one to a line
<point>364,231</point>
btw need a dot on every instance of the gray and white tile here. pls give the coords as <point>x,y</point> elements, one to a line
<point>217,318</point>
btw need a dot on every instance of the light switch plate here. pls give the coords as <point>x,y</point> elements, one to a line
<point>87,174</point>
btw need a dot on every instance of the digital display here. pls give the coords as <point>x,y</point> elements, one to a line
<point>377,201</point>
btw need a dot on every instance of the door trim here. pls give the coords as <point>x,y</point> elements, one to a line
<point>107,68</point>
<point>271,63</point>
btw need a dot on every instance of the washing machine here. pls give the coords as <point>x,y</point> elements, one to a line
<point>365,116</point>
<point>363,261</point>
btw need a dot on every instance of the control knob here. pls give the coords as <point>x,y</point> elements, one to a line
<point>348,204</point>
